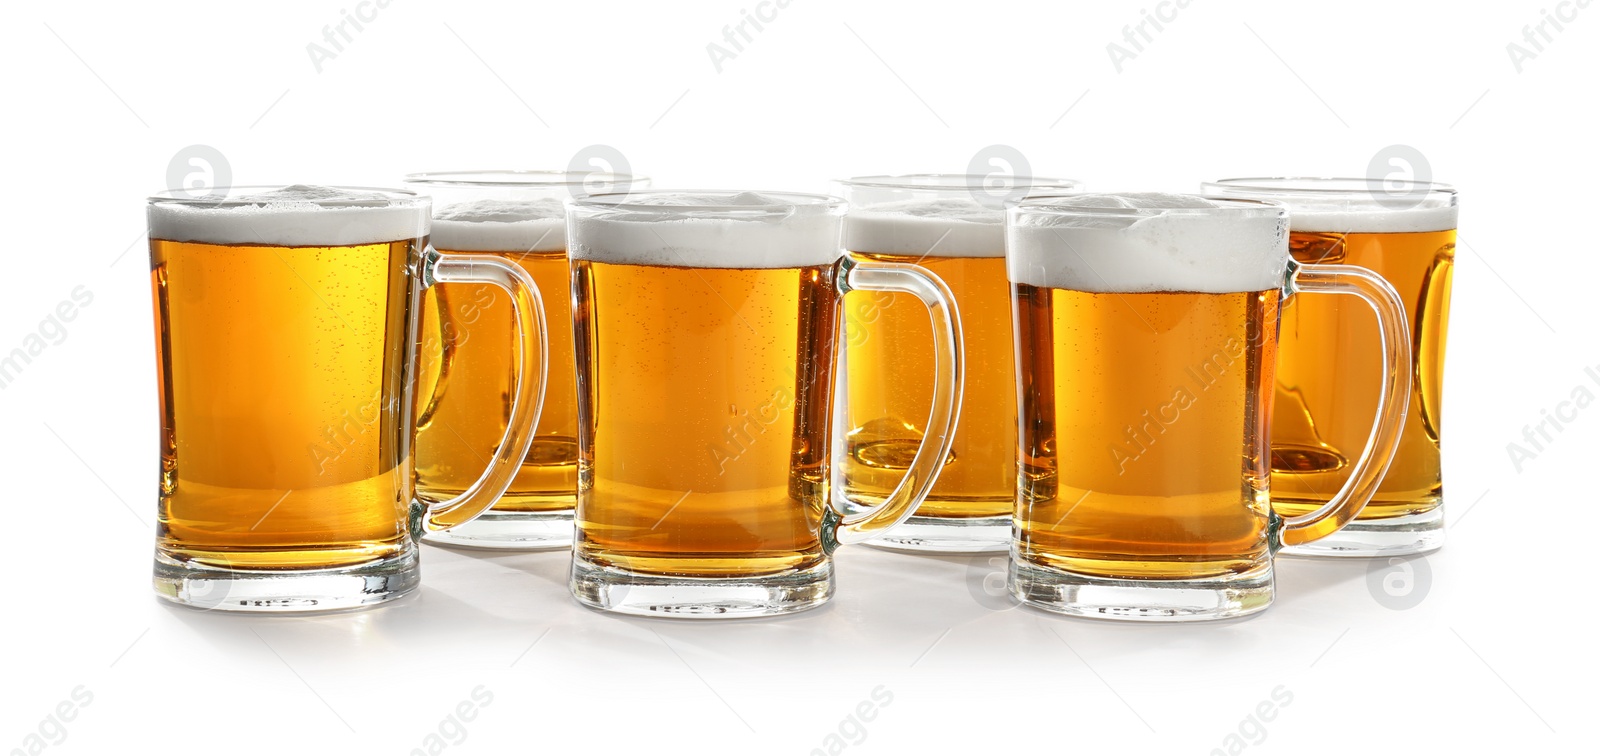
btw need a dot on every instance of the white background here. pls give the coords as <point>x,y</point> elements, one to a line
<point>1496,653</point>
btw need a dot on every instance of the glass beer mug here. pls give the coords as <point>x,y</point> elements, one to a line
<point>949,226</point>
<point>286,325</point>
<point>1404,231</point>
<point>468,353</point>
<point>707,337</point>
<point>1147,338</point>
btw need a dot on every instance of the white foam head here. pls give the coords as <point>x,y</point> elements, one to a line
<point>496,225</point>
<point>1372,220</point>
<point>933,214</point>
<point>1335,205</point>
<point>706,229</point>
<point>1147,242</point>
<point>293,216</point>
<point>945,227</point>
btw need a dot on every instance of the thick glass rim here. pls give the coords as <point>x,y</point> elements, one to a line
<point>514,178</point>
<point>634,203</point>
<point>1230,206</point>
<point>225,196</point>
<point>951,182</point>
<point>1330,187</point>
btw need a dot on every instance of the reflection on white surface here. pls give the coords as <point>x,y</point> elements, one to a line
<point>917,629</point>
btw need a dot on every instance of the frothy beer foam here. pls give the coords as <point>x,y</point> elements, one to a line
<point>948,227</point>
<point>490,225</point>
<point>707,230</point>
<point>1147,242</point>
<point>1368,217</point>
<point>1334,205</point>
<point>294,216</point>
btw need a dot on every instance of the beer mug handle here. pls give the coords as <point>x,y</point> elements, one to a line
<point>527,401</point>
<point>948,383</point>
<point>1394,340</point>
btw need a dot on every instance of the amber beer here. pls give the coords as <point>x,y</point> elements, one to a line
<point>1323,400</point>
<point>893,369</point>
<point>934,221</point>
<point>699,473</point>
<point>1139,405</point>
<point>468,355</point>
<point>707,325</point>
<point>1325,396</point>
<point>284,366</point>
<point>285,324</point>
<point>334,449</point>
<point>1147,338</point>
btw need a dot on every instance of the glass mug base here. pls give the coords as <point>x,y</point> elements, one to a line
<point>1063,592</point>
<point>1391,536</point>
<point>950,535</point>
<point>284,591</point>
<point>626,592</point>
<point>509,531</point>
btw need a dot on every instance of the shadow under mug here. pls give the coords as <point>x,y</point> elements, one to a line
<point>1147,332</point>
<point>707,340</point>
<point>286,325</point>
